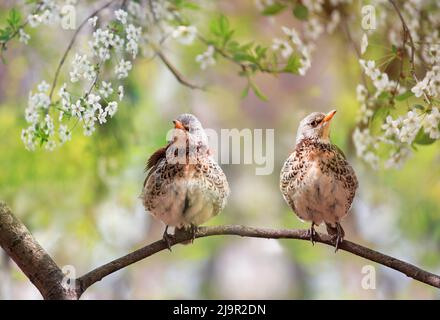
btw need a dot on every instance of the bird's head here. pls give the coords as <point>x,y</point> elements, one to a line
<point>315,126</point>
<point>192,128</point>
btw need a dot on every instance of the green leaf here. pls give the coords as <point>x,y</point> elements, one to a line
<point>293,64</point>
<point>378,118</point>
<point>273,9</point>
<point>5,34</point>
<point>301,12</point>
<point>394,49</point>
<point>257,91</point>
<point>14,18</point>
<point>384,95</point>
<point>422,138</point>
<point>404,96</point>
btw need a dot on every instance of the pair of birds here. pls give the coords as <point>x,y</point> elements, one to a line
<point>185,187</point>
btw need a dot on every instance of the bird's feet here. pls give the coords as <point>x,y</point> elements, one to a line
<point>339,237</point>
<point>193,231</point>
<point>312,233</point>
<point>337,234</point>
<point>167,238</point>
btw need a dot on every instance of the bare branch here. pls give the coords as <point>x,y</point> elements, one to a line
<point>176,72</point>
<point>408,269</point>
<point>43,272</point>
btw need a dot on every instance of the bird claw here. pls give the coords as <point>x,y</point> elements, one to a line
<point>312,233</point>
<point>167,238</point>
<point>193,230</point>
<point>339,236</point>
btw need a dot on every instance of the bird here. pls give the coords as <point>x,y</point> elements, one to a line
<point>316,180</point>
<point>185,186</point>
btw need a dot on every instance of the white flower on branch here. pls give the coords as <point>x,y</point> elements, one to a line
<point>121,93</point>
<point>24,37</point>
<point>420,87</point>
<point>111,108</point>
<point>50,145</point>
<point>102,116</point>
<point>121,16</point>
<point>64,134</point>
<point>106,89</point>
<point>185,34</point>
<point>92,21</point>
<point>122,69</point>
<point>313,29</point>
<point>34,20</point>
<point>283,46</point>
<point>77,109</point>
<point>43,86</point>
<point>89,129</point>
<point>432,123</point>
<point>293,36</point>
<point>206,59</point>
<point>361,93</point>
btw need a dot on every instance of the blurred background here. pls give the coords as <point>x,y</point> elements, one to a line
<point>81,201</point>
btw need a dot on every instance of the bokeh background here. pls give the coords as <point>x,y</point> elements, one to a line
<point>82,203</point>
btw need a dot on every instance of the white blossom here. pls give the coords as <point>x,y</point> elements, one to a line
<point>24,37</point>
<point>283,46</point>
<point>120,93</point>
<point>111,108</point>
<point>64,133</point>
<point>92,21</point>
<point>106,89</point>
<point>121,15</point>
<point>185,34</point>
<point>77,109</point>
<point>206,59</point>
<point>122,69</point>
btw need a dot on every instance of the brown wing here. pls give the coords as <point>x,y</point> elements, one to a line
<point>344,172</point>
<point>154,160</point>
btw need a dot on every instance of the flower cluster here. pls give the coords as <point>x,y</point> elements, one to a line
<point>51,120</point>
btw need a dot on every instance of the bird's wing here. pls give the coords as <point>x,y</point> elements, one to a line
<point>216,181</point>
<point>154,160</point>
<point>290,177</point>
<point>344,172</point>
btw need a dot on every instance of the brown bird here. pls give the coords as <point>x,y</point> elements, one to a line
<point>184,187</point>
<point>316,180</point>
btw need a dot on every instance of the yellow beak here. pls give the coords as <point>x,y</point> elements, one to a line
<point>178,125</point>
<point>329,116</point>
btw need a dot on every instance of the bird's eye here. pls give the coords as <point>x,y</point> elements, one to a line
<point>314,123</point>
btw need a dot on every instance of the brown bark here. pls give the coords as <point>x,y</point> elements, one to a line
<point>44,273</point>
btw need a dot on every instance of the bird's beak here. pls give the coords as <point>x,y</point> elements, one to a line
<point>329,116</point>
<point>178,125</point>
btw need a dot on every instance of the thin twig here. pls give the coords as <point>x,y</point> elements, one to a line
<point>72,41</point>
<point>407,34</point>
<point>176,72</point>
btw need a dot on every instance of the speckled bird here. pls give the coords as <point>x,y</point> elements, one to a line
<point>317,181</point>
<point>184,186</point>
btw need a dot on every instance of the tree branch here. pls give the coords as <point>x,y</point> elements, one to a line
<point>30,257</point>
<point>406,268</point>
<point>43,272</point>
<point>179,77</point>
